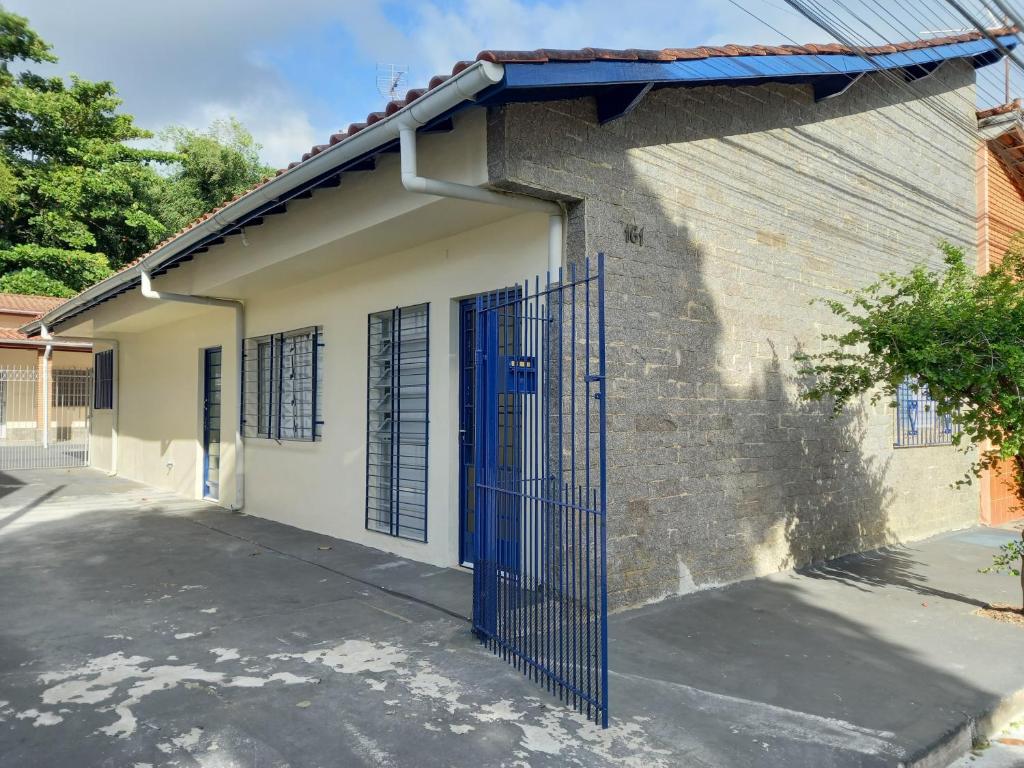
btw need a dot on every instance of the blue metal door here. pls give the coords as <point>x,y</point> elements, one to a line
<point>211,422</point>
<point>467,413</point>
<point>539,581</point>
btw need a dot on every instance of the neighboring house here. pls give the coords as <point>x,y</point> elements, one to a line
<point>727,187</point>
<point>1000,217</point>
<point>22,360</point>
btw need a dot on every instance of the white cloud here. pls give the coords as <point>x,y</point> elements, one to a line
<point>191,61</point>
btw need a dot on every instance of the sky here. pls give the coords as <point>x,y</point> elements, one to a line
<point>295,72</point>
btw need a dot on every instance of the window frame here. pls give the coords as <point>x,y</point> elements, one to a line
<point>389,510</point>
<point>103,380</point>
<point>264,388</point>
<point>926,428</point>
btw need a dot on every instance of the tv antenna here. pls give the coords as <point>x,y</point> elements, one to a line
<point>390,79</point>
<point>994,23</point>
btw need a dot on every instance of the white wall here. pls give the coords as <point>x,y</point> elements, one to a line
<point>331,260</point>
<point>317,486</point>
<point>321,486</point>
<point>160,420</point>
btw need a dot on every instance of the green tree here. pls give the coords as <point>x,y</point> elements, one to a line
<point>212,166</point>
<point>69,181</point>
<point>952,331</point>
<point>78,196</point>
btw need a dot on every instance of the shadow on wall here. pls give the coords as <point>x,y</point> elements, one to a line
<point>728,473</point>
<point>752,202</point>
<point>723,471</point>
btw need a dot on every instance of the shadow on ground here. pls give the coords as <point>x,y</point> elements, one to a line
<point>149,629</point>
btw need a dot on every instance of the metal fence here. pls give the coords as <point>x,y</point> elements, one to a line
<point>917,422</point>
<point>44,423</point>
<point>540,585</point>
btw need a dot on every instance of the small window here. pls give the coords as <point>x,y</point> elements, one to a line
<point>918,422</point>
<point>282,383</point>
<point>103,381</point>
<point>397,421</point>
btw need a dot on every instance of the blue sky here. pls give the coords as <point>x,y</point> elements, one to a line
<point>294,72</point>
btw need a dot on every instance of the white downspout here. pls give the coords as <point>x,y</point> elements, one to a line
<point>239,308</point>
<point>413,182</point>
<point>115,409</point>
<point>46,391</point>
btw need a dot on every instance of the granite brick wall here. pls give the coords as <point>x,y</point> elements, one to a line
<point>752,201</point>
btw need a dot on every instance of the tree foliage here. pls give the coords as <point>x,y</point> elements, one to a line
<point>211,166</point>
<point>957,333</point>
<point>79,194</point>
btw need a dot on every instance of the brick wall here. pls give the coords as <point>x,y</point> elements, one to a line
<point>1005,208</point>
<point>753,201</point>
<point>1001,215</point>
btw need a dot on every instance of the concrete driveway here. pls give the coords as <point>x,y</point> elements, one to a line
<point>139,629</point>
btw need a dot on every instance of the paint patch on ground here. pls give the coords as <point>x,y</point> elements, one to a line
<point>225,654</point>
<point>40,718</point>
<point>117,683</point>
<point>353,657</point>
<point>120,682</point>
<point>545,729</point>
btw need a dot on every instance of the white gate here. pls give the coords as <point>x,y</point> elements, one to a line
<point>44,424</point>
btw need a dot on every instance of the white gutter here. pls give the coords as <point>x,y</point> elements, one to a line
<point>115,405</point>
<point>239,308</point>
<point>415,183</point>
<point>450,94</point>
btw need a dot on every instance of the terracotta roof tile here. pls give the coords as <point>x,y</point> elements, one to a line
<point>1002,109</point>
<point>21,302</point>
<point>545,55</point>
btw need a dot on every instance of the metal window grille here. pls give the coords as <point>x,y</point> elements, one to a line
<point>103,383</point>
<point>917,420</point>
<point>282,385</point>
<point>397,422</point>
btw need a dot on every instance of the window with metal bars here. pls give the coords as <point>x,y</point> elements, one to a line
<point>103,381</point>
<point>397,422</point>
<point>282,385</point>
<point>918,423</point>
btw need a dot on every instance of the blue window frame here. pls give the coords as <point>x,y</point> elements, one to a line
<point>397,422</point>
<point>103,381</point>
<point>282,385</point>
<point>917,420</point>
<point>212,359</point>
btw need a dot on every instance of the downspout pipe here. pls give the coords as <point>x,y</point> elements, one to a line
<point>239,308</point>
<point>115,410</point>
<point>45,394</point>
<point>413,182</point>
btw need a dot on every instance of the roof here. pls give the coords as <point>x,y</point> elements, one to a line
<point>22,303</point>
<point>28,306</point>
<point>618,79</point>
<point>547,55</point>
<point>1002,127</point>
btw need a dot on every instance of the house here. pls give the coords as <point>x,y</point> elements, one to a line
<point>306,352</point>
<point>1000,217</point>
<point>26,371</point>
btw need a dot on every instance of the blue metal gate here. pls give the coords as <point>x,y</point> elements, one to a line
<point>540,597</point>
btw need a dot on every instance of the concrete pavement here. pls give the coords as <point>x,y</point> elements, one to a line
<point>142,629</point>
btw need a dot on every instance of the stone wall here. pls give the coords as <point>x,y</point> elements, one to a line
<point>752,201</point>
